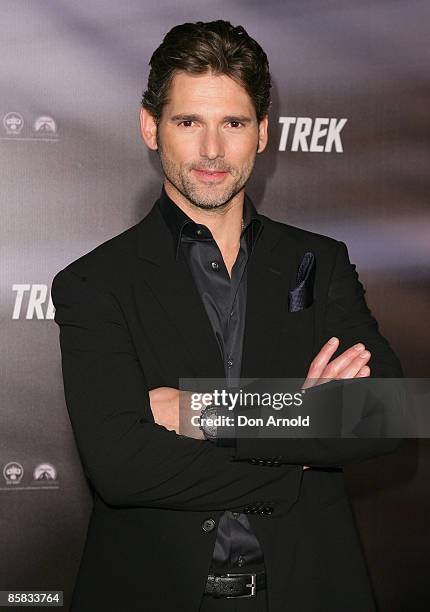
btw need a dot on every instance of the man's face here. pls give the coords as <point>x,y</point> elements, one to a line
<point>209,124</point>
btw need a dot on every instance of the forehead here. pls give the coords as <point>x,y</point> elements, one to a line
<point>207,91</point>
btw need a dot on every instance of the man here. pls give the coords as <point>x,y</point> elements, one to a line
<point>205,287</point>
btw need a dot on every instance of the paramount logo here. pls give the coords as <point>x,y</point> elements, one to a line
<point>318,135</point>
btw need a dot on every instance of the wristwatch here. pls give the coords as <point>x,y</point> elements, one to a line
<point>209,429</point>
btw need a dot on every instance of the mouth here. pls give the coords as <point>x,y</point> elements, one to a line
<point>209,175</point>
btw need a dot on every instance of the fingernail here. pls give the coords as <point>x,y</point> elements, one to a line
<point>333,340</point>
<point>365,354</point>
<point>359,347</point>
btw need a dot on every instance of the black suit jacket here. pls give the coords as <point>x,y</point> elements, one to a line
<point>131,320</point>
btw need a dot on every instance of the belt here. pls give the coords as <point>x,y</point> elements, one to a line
<point>235,585</point>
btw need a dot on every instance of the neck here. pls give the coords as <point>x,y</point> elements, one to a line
<point>224,222</point>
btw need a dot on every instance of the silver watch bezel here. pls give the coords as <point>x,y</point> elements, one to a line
<point>209,431</point>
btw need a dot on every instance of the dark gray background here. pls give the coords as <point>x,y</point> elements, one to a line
<point>85,64</point>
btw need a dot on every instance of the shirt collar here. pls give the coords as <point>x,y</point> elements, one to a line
<point>179,222</point>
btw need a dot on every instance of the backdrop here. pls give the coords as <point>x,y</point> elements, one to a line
<point>347,158</point>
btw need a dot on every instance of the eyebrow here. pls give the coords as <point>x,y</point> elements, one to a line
<point>193,117</point>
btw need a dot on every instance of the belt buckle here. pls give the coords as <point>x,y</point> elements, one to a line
<point>253,586</point>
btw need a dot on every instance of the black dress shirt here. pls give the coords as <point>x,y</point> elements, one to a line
<point>236,547</point>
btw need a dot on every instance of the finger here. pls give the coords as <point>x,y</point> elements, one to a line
<point>365,371</point>
<point>362,373</point>
<point>346,365</point>
<point>355,365</point>
<point>341,362</point>
<point>320,361</point>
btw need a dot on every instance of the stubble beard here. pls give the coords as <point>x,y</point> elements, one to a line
<point>208,196</point>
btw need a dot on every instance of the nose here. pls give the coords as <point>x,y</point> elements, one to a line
<point>211,145</point>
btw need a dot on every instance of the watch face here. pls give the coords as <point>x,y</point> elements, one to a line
<point>208,414</point>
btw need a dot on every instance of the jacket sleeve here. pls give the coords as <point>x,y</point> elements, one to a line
<point>349,318</point>
<point>128,458</point>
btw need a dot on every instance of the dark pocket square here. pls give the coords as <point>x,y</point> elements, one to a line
<point>302,295</point>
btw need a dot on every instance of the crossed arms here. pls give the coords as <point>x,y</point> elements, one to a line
<point>131,460</point>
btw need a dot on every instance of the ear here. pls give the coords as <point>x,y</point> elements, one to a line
<point>263,135</point>
<point>148,128</point>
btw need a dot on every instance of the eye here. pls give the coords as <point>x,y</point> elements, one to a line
<point>238,122</point>
<point>186,121</point>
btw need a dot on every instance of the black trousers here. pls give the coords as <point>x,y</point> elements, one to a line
<point>235,604</point>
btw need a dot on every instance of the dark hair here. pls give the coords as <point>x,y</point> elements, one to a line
<point>202,46</point>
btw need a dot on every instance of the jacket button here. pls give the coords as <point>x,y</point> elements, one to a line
<point>247,509</point>
<point>268,510</point>
<point>261,462</point>
<point>208,524</point>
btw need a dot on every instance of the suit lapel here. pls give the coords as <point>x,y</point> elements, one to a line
<point>269,277</point>
<point>172,284</point>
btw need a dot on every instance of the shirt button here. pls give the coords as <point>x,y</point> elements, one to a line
<point>199,231</point>
<point>230,362</point>
<point>215,265</point>
<point>208,525</point>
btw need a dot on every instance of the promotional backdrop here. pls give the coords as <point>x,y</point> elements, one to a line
<point>348,157</point>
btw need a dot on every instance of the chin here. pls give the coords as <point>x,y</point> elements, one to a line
<point>204,198</point>
<point>205,201</point>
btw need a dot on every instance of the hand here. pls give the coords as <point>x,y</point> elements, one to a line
<point>349,364</point>
<point>165,409</point>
